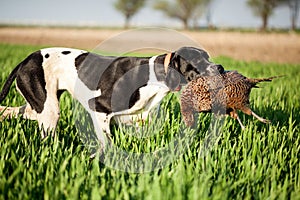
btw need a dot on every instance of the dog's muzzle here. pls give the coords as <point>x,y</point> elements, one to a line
<point>215,70</point>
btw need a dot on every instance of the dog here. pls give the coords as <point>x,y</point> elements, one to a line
<point>106,86</point>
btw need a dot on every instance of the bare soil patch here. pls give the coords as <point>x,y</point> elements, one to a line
<point>264,47</point>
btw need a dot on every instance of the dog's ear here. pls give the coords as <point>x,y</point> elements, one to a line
<point>173,79</point>
<point>175,61</point>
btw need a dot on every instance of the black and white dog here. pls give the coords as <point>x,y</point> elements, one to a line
<point>107,87</point>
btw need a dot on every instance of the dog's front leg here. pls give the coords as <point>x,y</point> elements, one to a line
<point>101,122</point>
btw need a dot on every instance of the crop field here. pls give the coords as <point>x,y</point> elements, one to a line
<point>260,162</point>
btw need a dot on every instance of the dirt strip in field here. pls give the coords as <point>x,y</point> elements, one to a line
<point>264,47</point>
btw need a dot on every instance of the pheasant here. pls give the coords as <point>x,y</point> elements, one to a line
<point>229,91</point>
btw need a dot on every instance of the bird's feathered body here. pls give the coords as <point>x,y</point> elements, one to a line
<point>224,94</point>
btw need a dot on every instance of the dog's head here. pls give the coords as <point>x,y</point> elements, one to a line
<point>187,63</point>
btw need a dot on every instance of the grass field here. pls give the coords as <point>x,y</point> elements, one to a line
<point>261,162</point>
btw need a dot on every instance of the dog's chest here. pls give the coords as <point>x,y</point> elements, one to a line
<point>150,96</point>
<point>153,92</point>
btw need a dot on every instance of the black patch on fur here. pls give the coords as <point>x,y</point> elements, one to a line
<point>47,55</point>
<point>134,98</point>
<point>59,93</point>
<point>119,80</point>
<point>66,52</point>
<point>22,110</point>
<point>159,68</point>
<point>173,79</point>
<point>31,81</point>
<point>90,68</point>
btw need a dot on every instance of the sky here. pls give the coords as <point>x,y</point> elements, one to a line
<point>224,13</point>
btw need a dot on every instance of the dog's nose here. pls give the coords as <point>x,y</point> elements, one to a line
<point>220,68</point>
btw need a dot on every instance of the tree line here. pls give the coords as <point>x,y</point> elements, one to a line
<point>191,10</point>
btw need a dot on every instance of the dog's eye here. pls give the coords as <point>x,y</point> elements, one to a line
<point>189,67</point>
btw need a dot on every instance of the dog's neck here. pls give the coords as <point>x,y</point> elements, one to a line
<point>161,65</point>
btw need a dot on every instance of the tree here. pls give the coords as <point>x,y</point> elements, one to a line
<point>294,11</point>
<point>294,8</point>
<point>184,10</point>
<point>129,8</point>
<point>263,9</point>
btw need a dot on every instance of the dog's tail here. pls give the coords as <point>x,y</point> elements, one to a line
<point>12,76</point>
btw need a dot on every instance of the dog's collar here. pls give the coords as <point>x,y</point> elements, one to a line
<point>167,61</point>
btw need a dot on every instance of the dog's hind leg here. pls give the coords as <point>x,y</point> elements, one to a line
<point>9,112</point>
<point>48,118</point>
<point>13,112</point>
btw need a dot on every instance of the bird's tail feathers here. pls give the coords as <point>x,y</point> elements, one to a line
<point>254,81</point>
